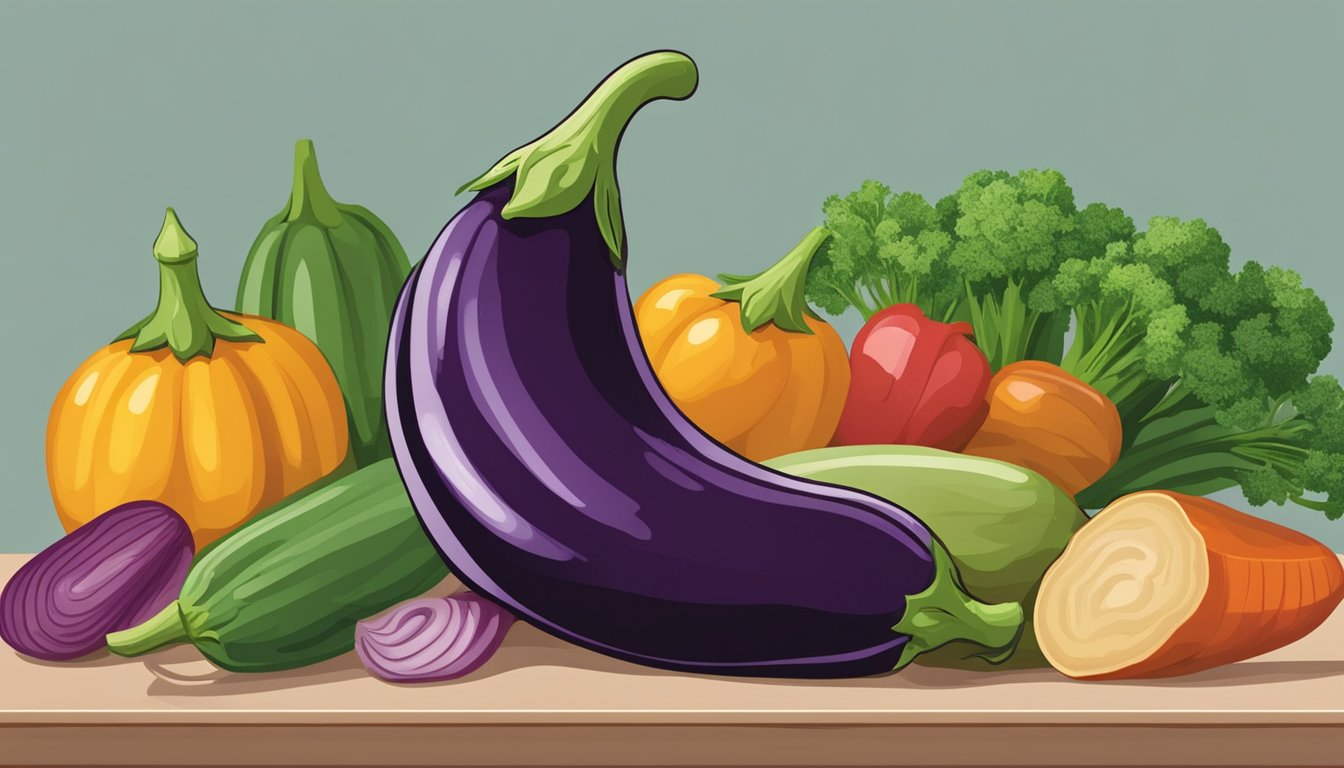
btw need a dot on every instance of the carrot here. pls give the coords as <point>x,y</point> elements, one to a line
<point>1159,584</point>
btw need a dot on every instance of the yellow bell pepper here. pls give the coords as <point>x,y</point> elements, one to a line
<point>747,362</point>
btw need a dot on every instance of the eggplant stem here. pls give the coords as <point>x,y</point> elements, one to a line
<point>944,612</point>
<point>577,158</point>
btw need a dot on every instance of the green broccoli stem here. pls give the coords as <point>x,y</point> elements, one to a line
<point>892,290</point>
<point>1188,451</point>
<point>855,297</point>
<point>1107,354</point>
<point>1007,330</point>
<point>898,289</point>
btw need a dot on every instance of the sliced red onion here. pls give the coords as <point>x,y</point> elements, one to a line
<point>109,574</point>
<point>432,638</point>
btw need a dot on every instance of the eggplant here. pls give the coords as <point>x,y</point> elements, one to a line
<point>556,477</point>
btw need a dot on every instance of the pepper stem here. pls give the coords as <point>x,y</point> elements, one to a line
<point>558,171</point>
<point>777,294</point>
<point>164,628</point>
<point>183,321</point>
<point>944,612</point>
<point>309,196</point>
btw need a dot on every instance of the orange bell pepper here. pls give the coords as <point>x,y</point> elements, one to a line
<point>1044,418</point>
<point>215,414</point>
<point>748,363</point>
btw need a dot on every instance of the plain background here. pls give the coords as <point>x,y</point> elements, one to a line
<point>111,111</point>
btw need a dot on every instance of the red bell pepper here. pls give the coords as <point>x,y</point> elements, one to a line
<point>914,381</point>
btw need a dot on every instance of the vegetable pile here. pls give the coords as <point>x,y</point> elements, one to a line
<point>701,479</point>
<point>1210,369</point>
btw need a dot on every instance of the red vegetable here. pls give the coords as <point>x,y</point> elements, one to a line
<point>113,572</point>
<point>432,638</point>
<point>913,381</point>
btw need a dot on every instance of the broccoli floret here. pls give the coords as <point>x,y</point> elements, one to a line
<point>1129,335</point>
<point>1010,227</point>
<point>984,254</point>
<point>1211,369</point>
<point>1012,232</point>
<point>1191,256</point>
<point>884,249</point>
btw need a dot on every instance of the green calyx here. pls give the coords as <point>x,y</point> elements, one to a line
<point>944,612</point>
<point>776,295</point>
<point>183,321</point>
<point>309,197</point>
<point>558,171</point>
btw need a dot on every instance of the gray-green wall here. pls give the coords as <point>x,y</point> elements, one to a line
<point>110,111</point>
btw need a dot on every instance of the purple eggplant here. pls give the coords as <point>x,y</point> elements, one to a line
<point>555,476</point>
<point>111,573</point>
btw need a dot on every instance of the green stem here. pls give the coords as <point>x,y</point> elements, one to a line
<point>577,158</point>
<point>164,628</point>
<point>1176,400</point>
<point>309,196</point>
<point>776,295</point>
<point>1197,440</point>
<point>1314,504</point>
<point>943,613</point>
<point>1007,329</point>
<point>183,321</point>
<point>876,300</point>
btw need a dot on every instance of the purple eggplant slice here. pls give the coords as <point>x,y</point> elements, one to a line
<point>555,476</point>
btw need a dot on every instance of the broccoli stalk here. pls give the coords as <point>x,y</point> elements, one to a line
<point>1295,448</point>
<point>1011,232</point>
<point>1216,393</point>
<point>1129,329</point>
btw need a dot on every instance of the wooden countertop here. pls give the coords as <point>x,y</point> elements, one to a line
<point>540,701</point>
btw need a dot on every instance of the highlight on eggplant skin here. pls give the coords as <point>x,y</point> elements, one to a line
<point>555,476</point>
<point>109,574</point>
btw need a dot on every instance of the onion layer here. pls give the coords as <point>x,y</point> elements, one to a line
<point>432,638</point>
<point>113,572</point>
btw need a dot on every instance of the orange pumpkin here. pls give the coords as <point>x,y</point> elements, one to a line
<point>1043,418</point>
<point>746,363</point>
<point>217,415</point>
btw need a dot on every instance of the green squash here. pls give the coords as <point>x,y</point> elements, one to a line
<point>1002,524</point>
<point>332,271</point>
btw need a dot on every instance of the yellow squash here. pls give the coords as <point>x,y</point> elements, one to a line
<point>748,363</point>
<point>217,415</point>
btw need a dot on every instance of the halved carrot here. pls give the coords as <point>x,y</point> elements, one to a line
<point>1160,584</point>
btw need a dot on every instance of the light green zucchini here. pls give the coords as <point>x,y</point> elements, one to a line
<point>1002,524</point>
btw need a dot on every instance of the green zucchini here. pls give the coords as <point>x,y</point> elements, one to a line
<point>1002,524</point>
<point>286,589</point>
